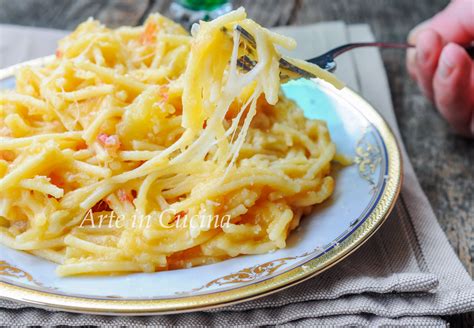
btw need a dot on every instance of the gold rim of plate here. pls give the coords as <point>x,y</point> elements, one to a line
<point>287,279</point>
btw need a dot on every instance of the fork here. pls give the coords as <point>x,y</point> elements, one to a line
<point>325,61</point>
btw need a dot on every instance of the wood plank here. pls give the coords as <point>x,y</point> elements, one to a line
<point>268,12</point>
<point>68,14</point>
<point>123,12</point>
<point>158,6</point>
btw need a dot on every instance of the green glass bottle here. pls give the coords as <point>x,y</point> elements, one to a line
<point>188,12</point>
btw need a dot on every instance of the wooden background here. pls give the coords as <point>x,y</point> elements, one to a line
<point>443,161</point>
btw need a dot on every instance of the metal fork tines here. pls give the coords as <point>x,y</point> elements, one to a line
<point>288,70</point>
<point>325,61</point>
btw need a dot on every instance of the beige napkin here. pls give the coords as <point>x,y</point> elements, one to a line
<point>405,275</point>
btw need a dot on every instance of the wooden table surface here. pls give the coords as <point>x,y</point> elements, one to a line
<point>443,161</point>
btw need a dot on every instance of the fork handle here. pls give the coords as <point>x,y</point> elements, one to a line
<point>342,49</point>
<point>326,60</point>
<point>396,45</point>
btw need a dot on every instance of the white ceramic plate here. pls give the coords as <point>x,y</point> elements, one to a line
<point>364,195</point>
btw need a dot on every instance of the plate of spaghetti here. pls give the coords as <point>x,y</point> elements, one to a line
<point>143,156</point>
